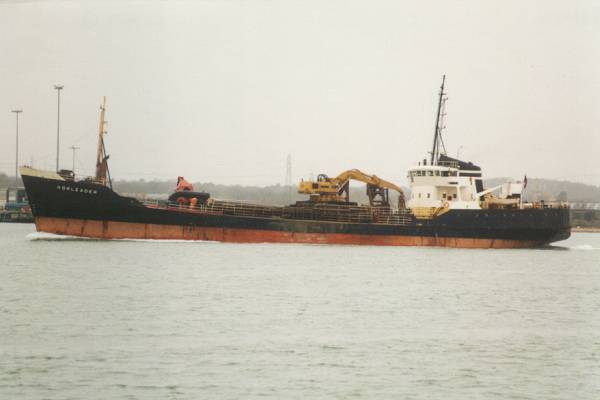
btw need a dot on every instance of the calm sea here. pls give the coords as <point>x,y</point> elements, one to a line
<point>87,319</point>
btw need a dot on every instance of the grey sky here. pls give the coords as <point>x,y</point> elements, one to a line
<point>222,91</point>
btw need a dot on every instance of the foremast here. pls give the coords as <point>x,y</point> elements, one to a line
<point>102,172</point>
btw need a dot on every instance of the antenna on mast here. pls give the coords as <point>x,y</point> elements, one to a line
<point>102,173</point>
<point>438,126</point>
<point>442,126</point>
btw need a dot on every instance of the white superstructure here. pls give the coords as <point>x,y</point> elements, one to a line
<point>445,184</point>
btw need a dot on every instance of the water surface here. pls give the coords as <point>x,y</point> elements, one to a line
<point>191,320</point>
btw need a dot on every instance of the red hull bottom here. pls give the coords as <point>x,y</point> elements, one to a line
<point>130,230</point>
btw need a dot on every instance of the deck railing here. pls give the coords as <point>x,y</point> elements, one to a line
<point>318,212</point>
<point>451,164</point>
<point>314,212</point>
<point>546,204</point>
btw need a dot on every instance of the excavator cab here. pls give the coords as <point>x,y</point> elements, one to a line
<point>323,189</point>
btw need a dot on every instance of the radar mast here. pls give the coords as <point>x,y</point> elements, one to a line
<point>437,137</point>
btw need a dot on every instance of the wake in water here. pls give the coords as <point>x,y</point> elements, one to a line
<point>558,247</point>
<point>583,247</point>
<point>51,237</point>
<point>43,236</point>
<point>575,247</point>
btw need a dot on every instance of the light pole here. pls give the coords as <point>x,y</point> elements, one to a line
<point>74,148</point>
<point>58,89</point>
<point>17,112</point>
<point>458,152</point>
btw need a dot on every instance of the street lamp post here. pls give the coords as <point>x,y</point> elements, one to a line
<point>17,112</point>
<point>74,148</point>
<point>58,89</point>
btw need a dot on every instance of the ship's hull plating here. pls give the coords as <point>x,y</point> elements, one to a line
<point>89,210</point>
<point>131,230</point>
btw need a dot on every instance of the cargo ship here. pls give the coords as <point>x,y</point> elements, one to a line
<point>447,206</point>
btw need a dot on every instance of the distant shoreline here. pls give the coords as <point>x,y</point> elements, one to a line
<point>585,229</point>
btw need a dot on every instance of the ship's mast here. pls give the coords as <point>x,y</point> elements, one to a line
<point>102,173</point>
<point>442,127</point>
<point>438,127</point>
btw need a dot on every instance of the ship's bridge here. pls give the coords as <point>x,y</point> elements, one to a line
<point>450,183</point>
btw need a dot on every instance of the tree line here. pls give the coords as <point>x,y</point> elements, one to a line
<point>536,190</point>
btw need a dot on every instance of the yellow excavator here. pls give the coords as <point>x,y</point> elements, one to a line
<point>336,190</point>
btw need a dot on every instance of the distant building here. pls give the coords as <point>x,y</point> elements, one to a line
<point>585,206</point>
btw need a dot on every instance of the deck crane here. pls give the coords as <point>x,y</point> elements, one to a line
<point>336,190</point>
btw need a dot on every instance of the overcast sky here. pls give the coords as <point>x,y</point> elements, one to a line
<point>223,91</point>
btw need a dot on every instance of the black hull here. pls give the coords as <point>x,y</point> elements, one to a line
<point>53,201</point>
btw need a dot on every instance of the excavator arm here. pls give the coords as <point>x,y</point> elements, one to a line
<point>358,175</point>
<point>337,189</point>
